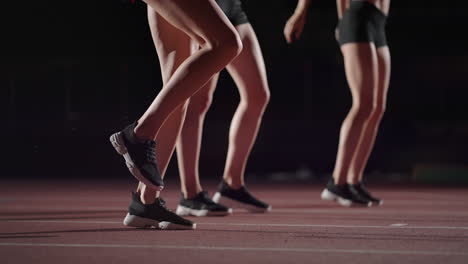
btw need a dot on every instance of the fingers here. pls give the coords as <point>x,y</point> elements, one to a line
<point>287,32</point>
<point>293,29</point>
<point>288,37</point>
<point>298,32</point>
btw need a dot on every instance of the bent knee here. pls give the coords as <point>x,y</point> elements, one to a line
<point>361,112</point>
<point>258,100</point>
<point>228,42</point>
<point>262,98</point>
<point>200,104</point>
<point>378,111</point>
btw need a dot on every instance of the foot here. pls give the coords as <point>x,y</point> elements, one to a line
<point>140,156</point>
<point>239,198</point>
<point>362,191</point>
<point>154,215</point>
<point>342,194</point>
<point>201,205</point>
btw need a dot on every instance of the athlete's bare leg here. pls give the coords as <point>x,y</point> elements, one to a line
<point>361,69</point>
<point>173,47</point>
<point>219,44</point>
<point>379,101</point>
<point>248,72</point>
<point>189,141</point>
<point>204,22</point>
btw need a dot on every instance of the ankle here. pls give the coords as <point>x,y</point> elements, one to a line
<point>141,134</point>
<point>148,197</point>
<point>352,182</point>
<point>190,195</point>
<point>339,181</point>
<point>233,183</point>
<point>191,192</point>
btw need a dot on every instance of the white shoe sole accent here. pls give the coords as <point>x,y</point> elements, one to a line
<point>377,204</point>
<point>329,196</point>
<point>218,198</point>
<point>185,211</point>
<point>141,222</point>
<point>117,142</point>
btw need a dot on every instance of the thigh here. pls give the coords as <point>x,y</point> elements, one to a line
<point>384,69</point>
<point>204,96</point>
<point>172,45</point>
<point>360,62</point>
<point>202,20</point>
<point>248,68</point>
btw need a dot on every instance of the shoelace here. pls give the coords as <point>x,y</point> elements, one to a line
<point>356,193</point>
<point>150,151</point>
<point>363,189</point>
<point>206,198</point>
<point>161,202</point>
<point>246,192</point>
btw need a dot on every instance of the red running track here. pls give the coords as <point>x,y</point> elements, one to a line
<point>80,222</point>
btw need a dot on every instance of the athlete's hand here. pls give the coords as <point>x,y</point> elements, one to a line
<point>337,30</point>
<point>293,28</point>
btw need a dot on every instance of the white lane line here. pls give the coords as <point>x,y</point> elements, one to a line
<point>58,209</point>
<point>302,250</point>
<point>341,226</point>
<point>397,226</point>
<point>62,222</point>
<point>331,211</point>
<point>373,211</point>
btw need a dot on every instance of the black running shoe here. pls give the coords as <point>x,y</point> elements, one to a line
<point>154,215</point>
<point>140,156</point>
<point>343,195</point>
<point>359,188</point>
<point>201,205</point>
<point>239,198</point>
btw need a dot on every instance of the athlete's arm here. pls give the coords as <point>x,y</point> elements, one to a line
<point>341,6</point>
<point>295,25</point>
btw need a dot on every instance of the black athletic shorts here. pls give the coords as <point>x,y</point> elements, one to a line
<point>233,10</point>
<point>362,22</point>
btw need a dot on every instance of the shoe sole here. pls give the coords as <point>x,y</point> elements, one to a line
<point>118,143</point>
<point>186,211</point>
<point>141,222</point>
<point>329,196</point>
<point>377,203</point>
<point>231,203</point>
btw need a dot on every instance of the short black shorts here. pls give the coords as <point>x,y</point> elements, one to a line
<point>362,22</point>
<point>233,10</point>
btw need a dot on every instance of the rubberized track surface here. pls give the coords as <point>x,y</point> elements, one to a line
<point>81,222</point>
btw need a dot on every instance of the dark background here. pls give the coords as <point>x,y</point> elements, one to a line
<point>73,73</point>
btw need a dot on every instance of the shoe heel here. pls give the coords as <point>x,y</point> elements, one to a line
<point>118,143</point>
<point>344,202</point>
<point>216,197</point>
<point>182,211</point>
<point>328,196</point>
<point>140,222</point>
